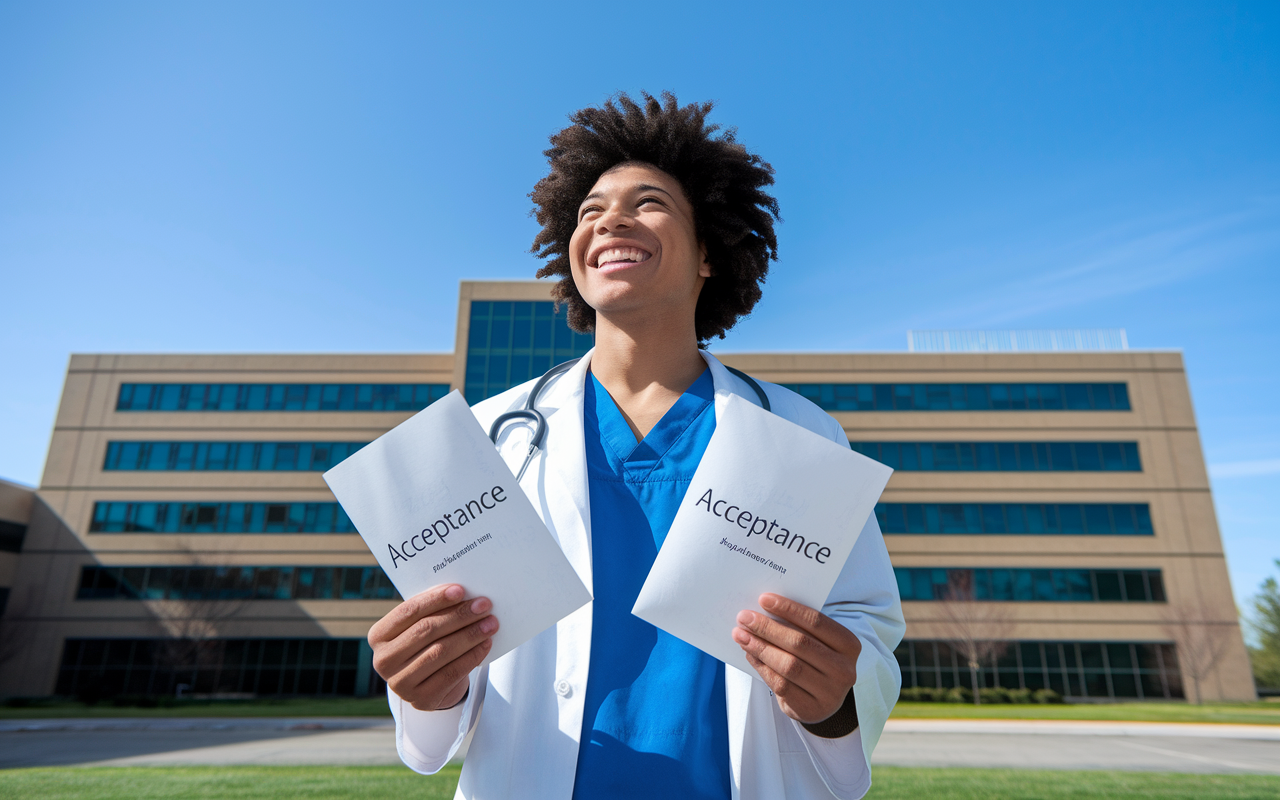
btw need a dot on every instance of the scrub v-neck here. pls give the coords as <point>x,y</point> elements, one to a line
<point>654,723</point>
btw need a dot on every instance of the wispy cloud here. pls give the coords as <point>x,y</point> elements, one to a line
<point>1129,257</point>
<point>1146,260</point>
<point>1245,469</point>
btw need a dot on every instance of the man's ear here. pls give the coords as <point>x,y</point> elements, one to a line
<point>704,269</point>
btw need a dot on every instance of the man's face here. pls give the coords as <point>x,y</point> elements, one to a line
<point>635,248</point>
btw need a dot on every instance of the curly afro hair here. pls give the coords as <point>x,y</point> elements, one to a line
<point>733,216</point>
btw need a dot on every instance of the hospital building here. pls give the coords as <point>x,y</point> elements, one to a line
<point>181,539</point>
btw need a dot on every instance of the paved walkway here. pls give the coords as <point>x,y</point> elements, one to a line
<point>213,741</point>
<point>1160,747</point>
<point>1035,744</point>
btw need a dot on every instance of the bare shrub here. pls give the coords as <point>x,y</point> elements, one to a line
<point>193,626</point>
<point>1201,641</point>
<point>979,631</point>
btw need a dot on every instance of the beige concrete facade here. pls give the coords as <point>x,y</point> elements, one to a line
<point>1186,547</point>
<point>59,542</point>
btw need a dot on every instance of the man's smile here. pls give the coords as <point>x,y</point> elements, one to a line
<point>614,257</point>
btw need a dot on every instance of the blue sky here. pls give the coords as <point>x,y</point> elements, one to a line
<point>302,177</point>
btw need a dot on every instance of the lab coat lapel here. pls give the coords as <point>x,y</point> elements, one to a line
<point>726,384</point>
<point>560,482</point>
<point>561,488</point>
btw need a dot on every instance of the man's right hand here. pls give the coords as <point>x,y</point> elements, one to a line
<point>427,646</point>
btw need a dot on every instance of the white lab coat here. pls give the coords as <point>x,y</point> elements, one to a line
<point>525,709</point>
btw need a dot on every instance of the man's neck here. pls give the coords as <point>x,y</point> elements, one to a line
<point>645,368</point>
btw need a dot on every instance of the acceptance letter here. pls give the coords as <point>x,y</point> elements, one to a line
<point>772,507</point>
<point>436,504</point>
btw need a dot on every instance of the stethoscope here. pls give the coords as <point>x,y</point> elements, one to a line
<point>531,413</point>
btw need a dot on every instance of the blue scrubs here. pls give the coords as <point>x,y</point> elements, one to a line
<point>655,723</point>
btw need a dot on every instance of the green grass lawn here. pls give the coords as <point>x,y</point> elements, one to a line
<point>248,783</point>
<point>1260,713</point>
<point>910,783</point>
<point>293,707</point>
<point>398,783</point>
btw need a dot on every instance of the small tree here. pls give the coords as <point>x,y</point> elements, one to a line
<point>1200,639</point>
<point>1265,623</point>
<point>978,631</point>
<point>193,625</point>
<point>191,632</point>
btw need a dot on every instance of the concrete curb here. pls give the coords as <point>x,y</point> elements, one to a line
<point>1201,730</point>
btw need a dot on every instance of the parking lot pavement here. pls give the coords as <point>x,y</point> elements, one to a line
<point>1024,744</point>
<point>169,742</point>
<point>1034,744</point>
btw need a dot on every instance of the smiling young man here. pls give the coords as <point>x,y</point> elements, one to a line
<point>660,233</point>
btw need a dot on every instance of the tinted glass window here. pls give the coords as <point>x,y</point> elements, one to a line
<point>243,456</point>
<point>1108,583</point>
<point>1004,456</point>
<point>1030,585</point>
<point>278,396</point>
<point>960,396</point>
<point>178,517</point>
<point>512,342</point>
<point>1015,518</point>
<point>1079,670</point>
<point>229,583</point>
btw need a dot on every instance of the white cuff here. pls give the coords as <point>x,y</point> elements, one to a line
<point>426,740</point>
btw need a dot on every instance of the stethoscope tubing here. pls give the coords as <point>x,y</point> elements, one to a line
<point>539,422</point>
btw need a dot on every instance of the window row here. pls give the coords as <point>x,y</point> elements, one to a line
<point>279,396</point>
<point>117,517</point>
<point>965,396</point>
<point>512,342</point>
<point>1075,670</point>
<point>1031,585</point>
<point>1070,519</point>
<point>228,456</point>
<point>235,583</point>
<point>1004,456</point>
<point>104,668</point>
<point>1114,519</point>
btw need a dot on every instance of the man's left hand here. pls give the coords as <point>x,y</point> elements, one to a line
<point>808,659</point>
